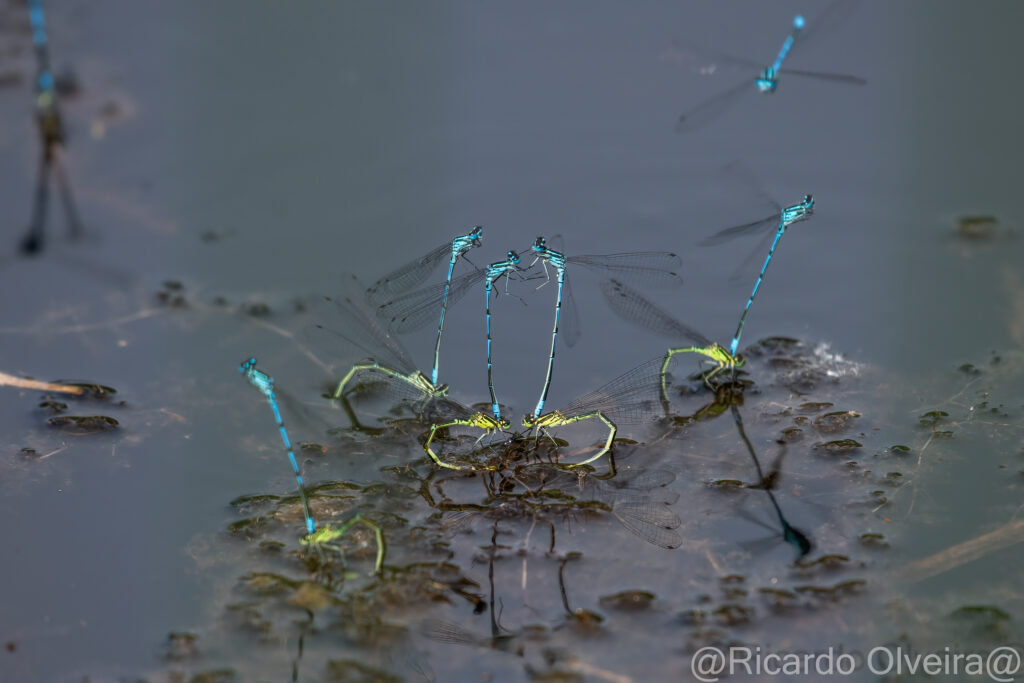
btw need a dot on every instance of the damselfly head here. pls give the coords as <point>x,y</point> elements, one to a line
<point>541,244</point>
<point>513,257</point>
<point>529,421</point>
<point>809,203</point>
<point>504,424</point>
<point>247,365</point>
<point>477,233</point>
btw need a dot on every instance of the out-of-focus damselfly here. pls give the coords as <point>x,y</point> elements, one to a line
<point>51,137</point>
<point>768,79</point>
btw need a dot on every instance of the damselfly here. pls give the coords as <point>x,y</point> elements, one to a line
<point>265,384</point>
<point>325,538</point>
<point>768,79</point>
<point>633,307</point>
<point>628,399</point>
<point>415,310</point>
<point>412,274</point>
<point>780,220</point>
<point>325,535</point>
<point>52,139</point>
<point>460,416</point>
<point>652,268</point>
<point>493,273</point>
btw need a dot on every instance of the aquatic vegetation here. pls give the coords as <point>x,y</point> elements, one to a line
<point>629,600</point>
<point>980,228</point>
<point>84,423</point>
<point>550,528</point>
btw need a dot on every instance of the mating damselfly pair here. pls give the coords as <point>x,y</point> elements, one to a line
<point>370,319</point>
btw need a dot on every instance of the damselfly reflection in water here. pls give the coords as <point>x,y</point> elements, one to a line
<point>500,638</point>
<point>506,640</point>
<point>640,499</point>
<point>767,80</point>
<point>790,534</point>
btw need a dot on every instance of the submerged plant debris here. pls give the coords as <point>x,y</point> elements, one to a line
<point>532,558</point>
<point>677,541</point>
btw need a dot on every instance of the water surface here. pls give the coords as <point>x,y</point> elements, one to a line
<point>234,154</point>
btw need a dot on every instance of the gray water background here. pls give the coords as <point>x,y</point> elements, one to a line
<point>343,138</point>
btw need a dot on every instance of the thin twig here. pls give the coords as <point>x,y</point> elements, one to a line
<point>583,667</point>
<point>962,553</point>
<point>12,381</point>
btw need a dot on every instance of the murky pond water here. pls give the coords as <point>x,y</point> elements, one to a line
<point>233,161</point>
